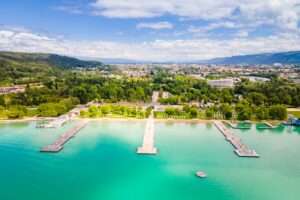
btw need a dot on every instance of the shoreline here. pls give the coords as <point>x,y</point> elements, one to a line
<point>27,119</point>
<point>33,119</point>
<point>145,119</point>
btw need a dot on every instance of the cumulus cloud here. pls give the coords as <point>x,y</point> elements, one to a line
<point>155,25</point>
<point>146,9</point>
<point>251,13</point>
<point>157,50</point>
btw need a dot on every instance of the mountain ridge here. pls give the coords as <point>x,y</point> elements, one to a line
<point>289,57</point>
<point>67,62</point>
<point>53,60</point>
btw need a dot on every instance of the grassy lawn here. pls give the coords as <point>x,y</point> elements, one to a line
<point>295,113</point>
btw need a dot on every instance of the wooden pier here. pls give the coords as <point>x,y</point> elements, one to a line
<point>58,144</point>
<point>268,126</point>
<point>235,126</point>
<point>148,139</point>
<point>240,149</point>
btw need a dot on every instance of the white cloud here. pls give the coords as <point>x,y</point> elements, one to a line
<point>6,34</point>
<point>120,33</point>
<point>153,8</point>
<point>283,14</point>
<point>242,34</point>
<point>69,9</point>
<point>222,24</point>
<point>155,25</point>
<point>157,50</point>
<point>288,20</point>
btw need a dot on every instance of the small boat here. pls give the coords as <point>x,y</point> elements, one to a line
<point>201,174</point>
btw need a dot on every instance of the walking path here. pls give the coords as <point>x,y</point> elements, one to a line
<point>58,144</point>
<point>240,149</point>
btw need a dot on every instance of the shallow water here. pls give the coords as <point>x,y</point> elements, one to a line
<point>100,163</point>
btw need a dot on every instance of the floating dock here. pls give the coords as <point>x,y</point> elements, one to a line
<point>58,144</point>
<point>148,139</point>
<point>235,126</point>
<point>240,149</point>
<point>268,126</point>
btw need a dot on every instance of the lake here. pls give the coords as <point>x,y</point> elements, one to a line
<point>101,163</point>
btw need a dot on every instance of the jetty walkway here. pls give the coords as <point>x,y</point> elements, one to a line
<point>58,144</point>
<point>240,149</point>
<point>268,126</point>
<point>148,139</point>
<point>235,126</point>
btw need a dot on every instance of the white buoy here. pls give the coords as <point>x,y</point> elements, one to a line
<point>201,174</point>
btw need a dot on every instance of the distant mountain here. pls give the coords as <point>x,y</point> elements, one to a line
<point>50,60</point>
<point>65,62</point>
<point>118,61</point>
<point>128,61</point>
<point>291,57</point>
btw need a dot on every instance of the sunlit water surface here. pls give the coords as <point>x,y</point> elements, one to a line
<point>101,163</point>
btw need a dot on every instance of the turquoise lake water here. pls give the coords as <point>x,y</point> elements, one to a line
<point>101,163</point>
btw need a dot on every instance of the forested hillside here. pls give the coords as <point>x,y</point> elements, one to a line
<point>21,68</point>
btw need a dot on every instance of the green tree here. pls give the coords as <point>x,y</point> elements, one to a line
<point>93,111</point>
<point>226,110</point>
<point>193,112</point>
<point>170,111</point>
<point>2,113</point>
<point>243,109</point>
<point>131,95</point>
<point>47,110</point>
<point>287,99</point>
<point>278,112</point>
<point>81,94</point>
<point>261,113</point>
<point>209,113</point>
<point>186,108</point>
<point>148,111</point>
<point>257,98</point>
<point>17,111</point>
<point>2,100</point>
<point>105,109</point>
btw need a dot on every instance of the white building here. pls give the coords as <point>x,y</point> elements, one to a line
<point>221,82</point>
<point>258,79</point>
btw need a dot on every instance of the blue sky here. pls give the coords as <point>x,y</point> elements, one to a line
<point>155,30</point>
